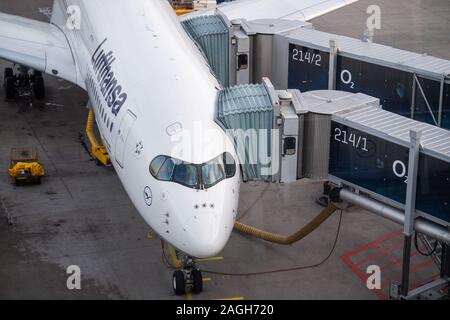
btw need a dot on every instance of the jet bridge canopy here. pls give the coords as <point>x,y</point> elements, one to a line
<point>407,83</point>
<point>369,149</point>
<point>211,35</point>
<point>246,112</point>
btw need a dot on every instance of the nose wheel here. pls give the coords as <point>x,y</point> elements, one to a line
<point>179,283</point>
<point>188,278</point>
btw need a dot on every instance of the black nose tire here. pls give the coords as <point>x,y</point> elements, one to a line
<point>39,87</point>
<point>179,283</point>
<point>10,88</point>
<point>197,279</point>
<point>8,73</point>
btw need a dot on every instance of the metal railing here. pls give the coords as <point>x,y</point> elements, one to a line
<point>433,248</point>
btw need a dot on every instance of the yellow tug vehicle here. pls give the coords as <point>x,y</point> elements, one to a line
<point>25,167</point>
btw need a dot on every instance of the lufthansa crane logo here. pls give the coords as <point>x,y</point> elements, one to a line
<point>148,196</point>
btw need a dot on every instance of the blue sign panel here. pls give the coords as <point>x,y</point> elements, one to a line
<point>381,167</point>
<point>308,68</point>
<point>393,87</point>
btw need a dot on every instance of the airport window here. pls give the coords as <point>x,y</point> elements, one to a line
<point>197,176</point>
<point>446,109</point>
<point>289,146</point>
<point>422,112</point>
<point>242,61</point>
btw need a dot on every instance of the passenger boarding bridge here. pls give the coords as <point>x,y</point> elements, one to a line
<point>369,119</point>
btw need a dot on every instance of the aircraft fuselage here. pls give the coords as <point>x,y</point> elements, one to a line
<point>154,95</point>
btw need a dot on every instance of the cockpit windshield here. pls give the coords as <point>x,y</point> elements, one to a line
<point>197,176</point>
<point>213,172</point>
<point>186,174</point>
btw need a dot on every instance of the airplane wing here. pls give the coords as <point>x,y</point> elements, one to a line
<point>38,45</point>
<point>279,9</point>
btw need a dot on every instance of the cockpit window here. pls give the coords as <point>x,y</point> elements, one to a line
<point>186,174</point>
<point>230,165</point>
<point>197,176</point>
<point>213,172</point>
<point>157,164</point>
<point>165,173</point>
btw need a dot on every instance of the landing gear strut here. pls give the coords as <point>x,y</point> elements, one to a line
<point>188,278</point>
<point>25,82</point>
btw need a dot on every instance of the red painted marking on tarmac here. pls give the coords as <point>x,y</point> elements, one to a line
<point>374,244</point>
<point>380,253</point>
<point>359,268</point>
<point>412,270</point>
<point>362,275</point>
<point>395,262</point>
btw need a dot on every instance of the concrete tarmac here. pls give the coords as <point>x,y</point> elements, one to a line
<point>80,215</point>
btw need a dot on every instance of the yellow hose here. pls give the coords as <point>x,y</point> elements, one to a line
<point>97,150</point>
<point>90,130</point>
<point>287,240</point>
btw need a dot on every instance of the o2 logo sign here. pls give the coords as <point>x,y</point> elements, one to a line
<point>347,79</point>
<point>74,18</point>
<point>400,170</point>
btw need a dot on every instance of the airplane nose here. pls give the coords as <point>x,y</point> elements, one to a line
<point>208,234</point>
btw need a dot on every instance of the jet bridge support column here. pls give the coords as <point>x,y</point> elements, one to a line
<point>445,261</point>
<point>333,64</point>
<point>420,225</point>
<point>410,208</point>
<point>441,99</point>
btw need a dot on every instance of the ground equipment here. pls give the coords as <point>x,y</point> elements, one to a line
<point>25,166</point>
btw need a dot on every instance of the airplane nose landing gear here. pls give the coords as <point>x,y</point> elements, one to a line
<point>23,82</point>
<point>189,278</point>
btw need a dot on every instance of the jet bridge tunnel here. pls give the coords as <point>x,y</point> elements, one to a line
<point>347,139</point>
<point>295,56</point>
<point>341,137</point>
<point>309,131</point>
<point>348,116</point>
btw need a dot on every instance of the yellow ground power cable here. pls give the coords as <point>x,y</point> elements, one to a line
<point>287,239</point>
<point>274,238</point>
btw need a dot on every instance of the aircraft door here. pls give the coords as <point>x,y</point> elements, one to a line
<point>124,131</point>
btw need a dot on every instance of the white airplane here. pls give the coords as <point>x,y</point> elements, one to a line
<point>149,85</point>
